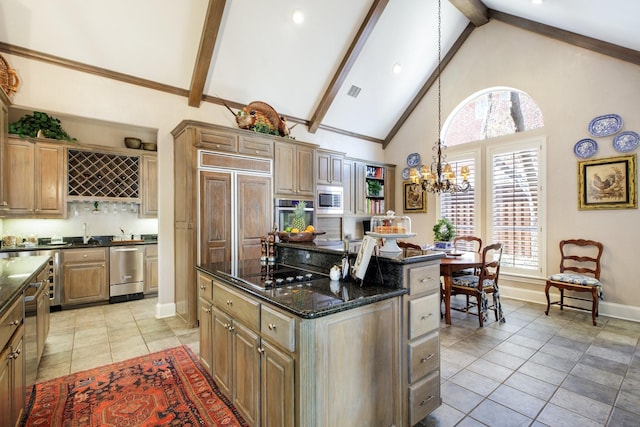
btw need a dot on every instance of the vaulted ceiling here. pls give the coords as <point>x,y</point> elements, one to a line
<point>238,51</point>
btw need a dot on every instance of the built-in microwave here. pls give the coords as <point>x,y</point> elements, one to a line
<point>329,200</point>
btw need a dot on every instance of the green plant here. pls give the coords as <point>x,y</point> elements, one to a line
<point>374,187</point>
<point>39,124</point>
<point>444,230</point>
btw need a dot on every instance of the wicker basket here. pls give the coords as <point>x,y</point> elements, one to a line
<point>303,236</point>
<point>9,80</point>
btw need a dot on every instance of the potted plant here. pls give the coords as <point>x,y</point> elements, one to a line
<point>39,125</point>
<point>374,188</point>
<point>443,233</point>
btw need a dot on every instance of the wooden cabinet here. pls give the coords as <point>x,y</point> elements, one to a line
<point>151,269</point>
<point>421,346</point>
<point>294,170</point>
<point>34,180</point>
<point>347,187</point>
<point>12,365</point>
<point>329,167</point>
<point>84,276</point>
<point>149,184</point>
<point>282,370</point>
<point>372,188</point>
<point>205,294</point>
<point>4,127</point>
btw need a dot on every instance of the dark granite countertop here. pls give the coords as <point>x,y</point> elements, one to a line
<point>15,275</point>
<point>307,300</point>
<point>76,242</point>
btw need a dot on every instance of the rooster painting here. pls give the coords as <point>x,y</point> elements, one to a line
<point>610,185</point>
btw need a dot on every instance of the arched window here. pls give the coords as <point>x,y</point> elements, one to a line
<point>489,113</point>
<point>510,180</point>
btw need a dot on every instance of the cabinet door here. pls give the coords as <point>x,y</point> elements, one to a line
<point>206,343</point>
<point>17,378</point>
<point>323,164</point>
<point>254,214</point>
<point>4,125</point>
<point>246,376</point>
<point>347,187</point>
<point>222,354</point>
<point>6,357</point>
<point>360,188</point>
<point>85,282</point>
<point>336,170</point>
<point>277,390</point>
<point>151,269</point>
<point>305,172</point>
<point>285,168</point>
<point>50,191</point>
<point>18,180</point>
<point>215,217</point>
<point>149,204</point>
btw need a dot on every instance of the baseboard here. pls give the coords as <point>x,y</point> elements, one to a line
<point>165,310</point>
<point>609,309</point>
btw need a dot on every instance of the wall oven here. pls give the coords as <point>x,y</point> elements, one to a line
<point>284,212</point>
<point>329,200</point>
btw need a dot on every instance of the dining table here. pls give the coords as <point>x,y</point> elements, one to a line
<point>453,262</point>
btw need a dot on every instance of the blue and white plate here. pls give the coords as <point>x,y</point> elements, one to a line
<point>585,148</point>
<point>606,125</point>
<point>405,173</point>
<point>413,160</point>
<point>626,141</point>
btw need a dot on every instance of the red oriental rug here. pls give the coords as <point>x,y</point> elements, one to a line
<point>167,388</point>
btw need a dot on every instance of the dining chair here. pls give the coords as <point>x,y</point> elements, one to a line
<point>467,243</point>
<point>410,249</point>
<point>579,272</point>
<point>481,283</point>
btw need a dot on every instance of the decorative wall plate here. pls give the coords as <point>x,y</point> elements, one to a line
<point>626,141</point>
<point>405,173</point>
<point>606,125</point>
<point>585,148</point>
<point>413,160</point>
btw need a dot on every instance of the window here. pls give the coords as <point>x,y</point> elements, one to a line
<point>460,208</point>
<point>515,208</point>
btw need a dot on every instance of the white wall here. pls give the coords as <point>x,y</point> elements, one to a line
<point>572,86</point>
<point>59,90</point>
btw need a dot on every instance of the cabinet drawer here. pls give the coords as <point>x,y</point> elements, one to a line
<point>218,141</point>
<point>84,255</point>
<point>278,327</point>
<point>424,356</point>
<point>424,315</point>
<point>424,279</point>
<point>205,286</point>
<point>240,307</point>
<point>151,251</point>
<point>256,147</point>
<point>10,322</point>
<point>424,397</point>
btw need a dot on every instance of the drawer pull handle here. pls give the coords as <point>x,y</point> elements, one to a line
<point>14,323</point>
<point>426,279</point>
<point>226,326</point>
<point>272,327</point>
<point>425,401</point>
<point>260,350</point>
<point>424,359</point>
<point>232,328</point>
<point>426,317</point>
<point>85,256</point>
<point>229,302</point>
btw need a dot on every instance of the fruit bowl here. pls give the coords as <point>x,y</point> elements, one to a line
<point>302,236</point>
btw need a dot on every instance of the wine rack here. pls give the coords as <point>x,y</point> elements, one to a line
<point>101,176</point>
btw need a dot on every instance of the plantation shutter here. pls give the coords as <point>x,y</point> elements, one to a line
<point>460,207</point>
<point>516,209</point>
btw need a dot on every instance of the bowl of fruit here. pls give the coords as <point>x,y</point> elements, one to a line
<point>294,235</point>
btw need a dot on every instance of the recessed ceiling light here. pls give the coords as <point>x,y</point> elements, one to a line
<point>397,68</point>
<point>297,17</point>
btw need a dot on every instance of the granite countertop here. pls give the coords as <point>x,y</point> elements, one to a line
<point>307,300</point>
<point>77,242</point>
<point>15,275</point>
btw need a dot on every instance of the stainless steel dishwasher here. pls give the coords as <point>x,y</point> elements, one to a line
<point>126,273</point>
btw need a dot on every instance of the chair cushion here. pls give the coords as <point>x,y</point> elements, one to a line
<point>575,279</point>
<point>471,281</point>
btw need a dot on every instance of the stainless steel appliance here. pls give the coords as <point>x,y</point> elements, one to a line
<point>329,200</point>
<point>284,212</point>
<point>126,273</point>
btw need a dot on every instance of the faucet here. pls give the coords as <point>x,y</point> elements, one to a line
<point>85,236</point>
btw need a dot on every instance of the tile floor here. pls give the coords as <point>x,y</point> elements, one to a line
<point>536,370</point>
<point>88,337</point>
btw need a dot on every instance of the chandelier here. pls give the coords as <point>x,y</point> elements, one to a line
<point>440,177</point>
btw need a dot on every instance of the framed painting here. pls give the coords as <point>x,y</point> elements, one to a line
<point>415,200</point>
<point>608,183</point>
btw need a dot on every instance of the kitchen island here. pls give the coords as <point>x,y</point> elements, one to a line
<point>16,274</point>
<point>316,352</point>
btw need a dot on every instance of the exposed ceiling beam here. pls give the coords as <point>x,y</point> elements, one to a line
<point>605,48</point>
<point>210,29</point>
<point>430,81</point>
<point>474,10</point>
<point>349,59</point>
